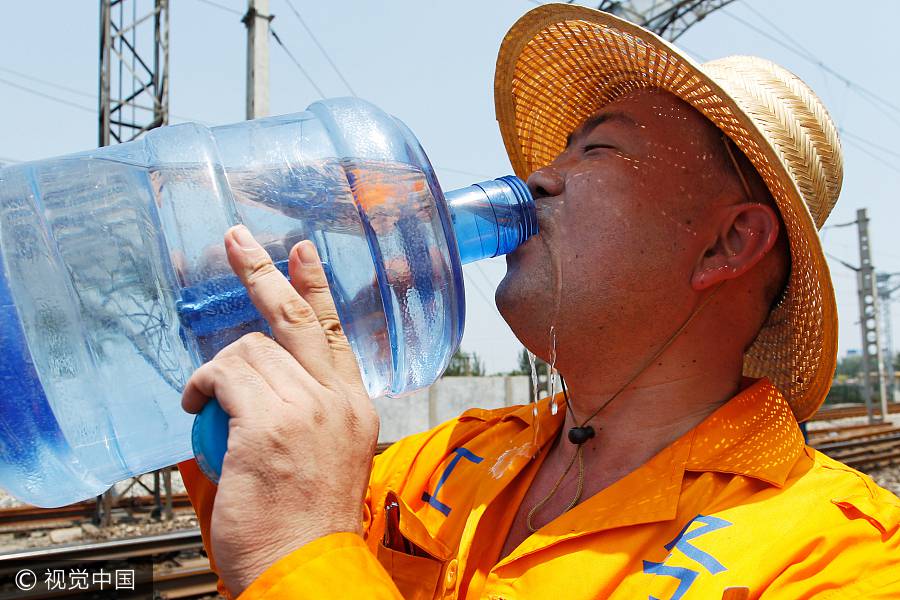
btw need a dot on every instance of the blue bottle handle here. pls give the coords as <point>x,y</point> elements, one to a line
<point>209,437</point>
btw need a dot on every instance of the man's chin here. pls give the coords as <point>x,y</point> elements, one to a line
<point>513,301</point>
<point>505,297</point>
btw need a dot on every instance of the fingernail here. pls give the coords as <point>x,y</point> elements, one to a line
<point>244,238</point>
<point>306,250</point>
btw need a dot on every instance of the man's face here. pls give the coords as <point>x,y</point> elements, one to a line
<point>625,213</point>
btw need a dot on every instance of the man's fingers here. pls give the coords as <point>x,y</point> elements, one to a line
<point>232,382</point>
<point>281,371</point>
<point>293,321</point>
<point>308,278</point>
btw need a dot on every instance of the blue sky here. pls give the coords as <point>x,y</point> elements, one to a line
<point>431,64</point>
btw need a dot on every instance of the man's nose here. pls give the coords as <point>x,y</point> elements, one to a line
<point>546,183</point>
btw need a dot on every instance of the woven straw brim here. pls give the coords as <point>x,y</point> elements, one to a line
<point>559,64</point>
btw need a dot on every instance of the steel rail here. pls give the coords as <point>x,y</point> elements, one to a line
<point>28,514</point>
<point>846,412</point>
<point>147,545</point>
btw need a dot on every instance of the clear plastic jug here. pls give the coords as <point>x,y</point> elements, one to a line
<point>114,285</point>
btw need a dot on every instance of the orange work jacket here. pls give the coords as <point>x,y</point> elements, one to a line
<point>738,502</point>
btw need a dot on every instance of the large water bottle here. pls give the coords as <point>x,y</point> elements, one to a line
<point>114,285</point>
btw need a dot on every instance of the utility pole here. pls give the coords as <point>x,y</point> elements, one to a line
<point>869,321</point>
<point>257,22</point>
<point>886,287</point>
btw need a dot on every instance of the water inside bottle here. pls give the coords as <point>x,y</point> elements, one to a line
<point>98,291</point>
<point>82,258</point>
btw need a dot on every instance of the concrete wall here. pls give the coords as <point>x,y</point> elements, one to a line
<point>446,399</point>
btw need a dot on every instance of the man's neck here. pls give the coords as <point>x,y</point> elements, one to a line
<point>650,413</point>
<point>667,400</point>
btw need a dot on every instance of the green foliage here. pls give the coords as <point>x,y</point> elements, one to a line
<point>524,367</point>
<point>849,366</point>
<point>464,364</point>
<point>846,388</point>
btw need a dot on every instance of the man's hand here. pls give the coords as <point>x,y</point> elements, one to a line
<point>303,430</point>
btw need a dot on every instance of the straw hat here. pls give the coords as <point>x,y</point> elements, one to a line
<point>561,63</point>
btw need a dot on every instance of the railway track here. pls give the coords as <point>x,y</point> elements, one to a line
<point>180,570</point>
<point>31,517</point>
<point>863,447</point>
<point>845,412</point>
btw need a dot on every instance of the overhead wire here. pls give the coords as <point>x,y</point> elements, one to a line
<point>474,283</point>
<point>56,99</point>
<point>331,62</point>
<point>873,155</point>
<point>842,262</point>
<point>874,98</point>
<point>296,62</point>
<point>693,53</point>
<point>81,93</point>
<point>792,45</point>
<point>278,41</point>
<point>787,38</point>
<point>484,276</point>
<point>64,88</point>
<point>480,291</point>
<point>320,47</point>
<point>863,140</point>
<point>462,172</point>
<point>838,225</point>
<point>233,11</point>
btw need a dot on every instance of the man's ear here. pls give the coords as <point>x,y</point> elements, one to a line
<point>746,234</point>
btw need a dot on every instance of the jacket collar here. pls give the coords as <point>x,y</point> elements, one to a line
<point>754,434</point>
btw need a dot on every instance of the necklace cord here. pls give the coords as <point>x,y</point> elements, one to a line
<point>579,453</point>
<point>653,356</point>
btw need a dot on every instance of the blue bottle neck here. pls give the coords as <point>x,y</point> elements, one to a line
<point>492,218</point>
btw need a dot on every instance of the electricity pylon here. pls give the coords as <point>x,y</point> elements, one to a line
<point>134,98</point>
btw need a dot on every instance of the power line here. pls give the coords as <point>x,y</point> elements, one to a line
<point>81,93</point>
<point>837,225</point>
<point>48,96</point>
<point>296,62</point>
<point>320,47</point>
<point>484,276</point>
<point>50,83</point>
<point>693,53</point>
<point>869,96</point>
<point>277,39</point>
<point>461,172</point>
<point>880,159</point>
<point>863,140</point>
<point>806,55</point>
<point>480,291</point>
<point>842,262</point>
<point>222,7</point>
<point>787,37</point>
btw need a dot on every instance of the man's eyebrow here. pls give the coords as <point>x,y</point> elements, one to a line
<point>597,119</point>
